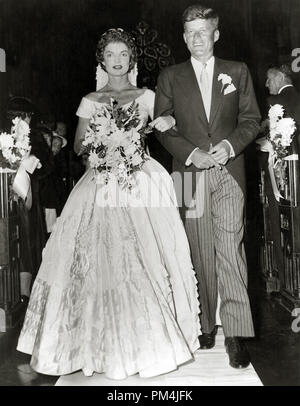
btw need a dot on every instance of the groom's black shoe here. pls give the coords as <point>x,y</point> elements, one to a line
<point>237,352</point>
<point>207,340</point>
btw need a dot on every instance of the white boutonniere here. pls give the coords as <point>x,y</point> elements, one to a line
<point>227,85</point>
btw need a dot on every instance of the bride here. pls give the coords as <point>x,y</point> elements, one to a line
<point>116,291</point>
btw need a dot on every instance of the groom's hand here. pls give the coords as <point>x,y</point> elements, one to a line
<point>203,160</point>
<point>221,152</point>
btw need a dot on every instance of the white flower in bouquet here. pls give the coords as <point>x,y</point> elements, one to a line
<point>23,146</point>
<point>273,134</point>
<point>121,170</point>
<point>275,112</point>
<point>10,156</point>
<point>130,150</point>
<point>286,140</point>
<point>116,137</point>
<point>126,141</point>
<point>21,128</point>
<point>136,160</point>
<point>101,121</point>
<point>116,156</point>
<point>6,141</point>
<point>103,126</point>
<point>273,125</point>
<point>135,135</point>
<point>286,127</point>
<point>90,138</point>
<point>112,157</point>
<point>121,166</point>
<point>15,146</point>
<point>94,159</point>
<point>23,152</point>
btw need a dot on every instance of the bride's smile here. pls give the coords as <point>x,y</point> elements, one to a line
<point>116,59</point>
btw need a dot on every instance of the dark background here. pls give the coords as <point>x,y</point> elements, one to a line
<point>50,44</point>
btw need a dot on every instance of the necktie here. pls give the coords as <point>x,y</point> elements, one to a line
<point>205,90</point>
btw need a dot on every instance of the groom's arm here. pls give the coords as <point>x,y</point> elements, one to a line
<point>178,146</point>
<point>248,122</point>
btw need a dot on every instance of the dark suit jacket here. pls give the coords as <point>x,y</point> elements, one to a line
<point>234,116</point>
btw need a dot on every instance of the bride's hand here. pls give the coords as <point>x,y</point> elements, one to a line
<point>163,123</point>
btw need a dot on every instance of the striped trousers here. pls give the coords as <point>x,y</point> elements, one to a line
<point>219,257</point>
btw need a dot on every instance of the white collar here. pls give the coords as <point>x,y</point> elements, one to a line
<point>283,87</point>
<point>209,63</point>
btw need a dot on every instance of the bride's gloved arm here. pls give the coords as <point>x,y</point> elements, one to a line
<point>79,135</point>
<point>163,123</point>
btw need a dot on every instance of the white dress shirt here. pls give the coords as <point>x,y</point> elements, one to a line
<point>198,66</point>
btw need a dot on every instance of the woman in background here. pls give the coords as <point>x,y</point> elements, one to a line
<point>32,222</point>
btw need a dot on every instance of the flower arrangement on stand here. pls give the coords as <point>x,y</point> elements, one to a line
<point>14,146</point>
<point>16,161</point>
<point>114,141</point>
<point>281,132</point>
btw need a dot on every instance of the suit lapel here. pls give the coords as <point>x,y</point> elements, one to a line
<point>217,95</point>
<point>191,88</point>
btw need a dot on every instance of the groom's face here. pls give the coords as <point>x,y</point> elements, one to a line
<point>200,36</point>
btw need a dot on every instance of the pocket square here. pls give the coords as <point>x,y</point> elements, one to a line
<point>229,89</point>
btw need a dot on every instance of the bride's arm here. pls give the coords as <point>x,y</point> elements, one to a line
<point>79,135</point>
<point>163,122</point>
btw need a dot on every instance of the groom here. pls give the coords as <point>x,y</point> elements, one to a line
<point>217,116</point>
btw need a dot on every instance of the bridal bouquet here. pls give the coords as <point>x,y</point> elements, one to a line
<point>14,147</point>
<point>281,131</point>
<point>115,142</point>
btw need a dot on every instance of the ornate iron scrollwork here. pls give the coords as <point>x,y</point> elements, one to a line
<point>153,55</point>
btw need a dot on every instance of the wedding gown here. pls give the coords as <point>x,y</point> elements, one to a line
<point>116,290</point>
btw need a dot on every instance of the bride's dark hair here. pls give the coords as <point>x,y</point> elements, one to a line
<point>116,35</point>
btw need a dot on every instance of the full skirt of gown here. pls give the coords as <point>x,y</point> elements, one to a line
<point>116,291</point>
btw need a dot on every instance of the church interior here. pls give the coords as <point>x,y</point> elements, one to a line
<point>49,59</point>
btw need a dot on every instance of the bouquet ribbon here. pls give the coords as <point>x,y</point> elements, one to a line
<point>21,184</point>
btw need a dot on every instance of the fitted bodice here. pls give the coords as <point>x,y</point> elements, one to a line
<point>145,101</point>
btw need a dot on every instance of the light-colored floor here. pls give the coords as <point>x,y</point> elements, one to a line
<point>210,368</point>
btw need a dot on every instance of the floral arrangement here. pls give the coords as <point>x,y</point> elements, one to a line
<point>279,137</point>
<point>14,147</point>
<point>281,131</point>
<point>115,142</point>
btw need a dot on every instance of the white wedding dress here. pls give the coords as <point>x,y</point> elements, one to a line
<point>116,290</point>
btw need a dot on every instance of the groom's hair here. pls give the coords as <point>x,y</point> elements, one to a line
<point>197,11</point>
